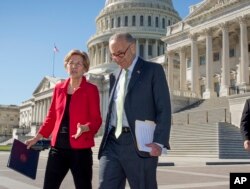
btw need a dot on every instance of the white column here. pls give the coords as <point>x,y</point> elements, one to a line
<point>96,55</point>
<point>183,69</point>
<point>170,77</point>
<point>146,50</point>
<point>194,66</point>
<point>107,54</point>
<point>137,47</point>
<point>102,54</point>
<point>244,61</point>
<point>209,92</point>
<point>225,78</point>
<point>156,48</point>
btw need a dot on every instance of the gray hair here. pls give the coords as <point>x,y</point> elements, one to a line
<point>123,36</point>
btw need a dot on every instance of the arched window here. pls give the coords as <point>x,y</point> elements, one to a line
<point>119,22</point>
<point>163,23</point>
<point>141,51</point>
<point>126,21</point>
<point>112,23</point>
<point>141,20</point>
<point>133,21</point>
<point>156,22</point>
<point>149,21</point>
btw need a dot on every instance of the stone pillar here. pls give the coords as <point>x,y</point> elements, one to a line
<point>209,92</point>
<point>183,69</point>
<point>107,54</point>
<point>244,57</point>
<point>155,54</point>
<point>170,55</point>
<point>137,47</point>
<point>102,54</point>
<point>225,78</point>
<point>194,65</point>
<point>96,55</point>
<point>146,50</point>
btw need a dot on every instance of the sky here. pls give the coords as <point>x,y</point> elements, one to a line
<point>29,29</point>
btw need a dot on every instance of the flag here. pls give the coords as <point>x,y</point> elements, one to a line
<point>55,49</point>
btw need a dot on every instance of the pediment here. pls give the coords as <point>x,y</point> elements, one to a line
<point>46,84</point>
<point>209,6</point>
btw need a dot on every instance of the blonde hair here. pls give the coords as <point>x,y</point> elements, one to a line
<point>84,55</point>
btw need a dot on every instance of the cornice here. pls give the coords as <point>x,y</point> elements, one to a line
<point>213,11</point>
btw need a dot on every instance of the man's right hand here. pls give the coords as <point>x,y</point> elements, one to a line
<point>247,145</point>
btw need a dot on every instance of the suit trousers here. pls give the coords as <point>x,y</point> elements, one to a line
<point>120,161</point>
<point>60,161</point>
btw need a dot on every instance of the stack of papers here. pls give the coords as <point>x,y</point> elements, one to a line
<point>144,131</point>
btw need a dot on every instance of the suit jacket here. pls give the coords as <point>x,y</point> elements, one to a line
<point>147,98</point>
<point>245,121</point>
<point>84,109</point>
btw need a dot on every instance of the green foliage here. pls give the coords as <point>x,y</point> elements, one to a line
<point>5,147</point>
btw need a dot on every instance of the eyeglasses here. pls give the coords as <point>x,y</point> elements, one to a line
<point>76,64</point>
<point>120,54</point>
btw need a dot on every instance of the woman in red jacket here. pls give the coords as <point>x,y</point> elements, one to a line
<point>73,120</point>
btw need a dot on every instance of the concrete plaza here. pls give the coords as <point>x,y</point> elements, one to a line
<point>173,173</point>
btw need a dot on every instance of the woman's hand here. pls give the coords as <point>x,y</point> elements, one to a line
<point>80,129</point>
<point>33,141</point>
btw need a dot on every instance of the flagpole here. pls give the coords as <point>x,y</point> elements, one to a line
<point>54,55</point>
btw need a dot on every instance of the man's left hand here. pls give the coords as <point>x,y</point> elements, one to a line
<point>155,149</point>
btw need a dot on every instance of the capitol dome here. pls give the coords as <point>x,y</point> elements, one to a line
<point>146,20</point>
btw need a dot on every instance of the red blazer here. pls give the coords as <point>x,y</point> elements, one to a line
<point>84,108</point>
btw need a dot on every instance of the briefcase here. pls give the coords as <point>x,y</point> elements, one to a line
<point>23,160</point>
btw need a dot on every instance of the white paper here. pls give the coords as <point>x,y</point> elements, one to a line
<point>144,132</point>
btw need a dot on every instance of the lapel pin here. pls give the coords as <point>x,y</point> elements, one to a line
<point>138,71</point>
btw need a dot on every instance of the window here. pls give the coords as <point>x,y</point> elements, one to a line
<point>189,63</point>
<point>150,50</point>
<point>133,21</point>
<point>163,23</point>
<point>216,56</point>
<point>119,22</point>
<point>231,53</point>
<point>248,47</point>
<point>126,21</point>
<point>106,24</point>
<point>112,23</point>
<point>149,21</point>
<point>141,53</point>
<point>141,21</point>
<point>157,22</point>
<point>169,23</point>
<point>202,60</point>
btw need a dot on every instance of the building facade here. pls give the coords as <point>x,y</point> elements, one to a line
<point>34,110</point>
<point>9,118</point>
<point>208,52</point>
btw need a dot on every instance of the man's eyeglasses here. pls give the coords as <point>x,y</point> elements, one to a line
<point>120,54</point>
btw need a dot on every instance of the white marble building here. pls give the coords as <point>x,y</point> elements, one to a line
<point>211,48</point>
<point>34,110</point>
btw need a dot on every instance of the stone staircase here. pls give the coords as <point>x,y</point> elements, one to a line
<point>219,140</point>
<point>205,111</point>
<point>194,140</point>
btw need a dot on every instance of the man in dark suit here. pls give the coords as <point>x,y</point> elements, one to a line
<point>245,125</point>
<point>146,98</point>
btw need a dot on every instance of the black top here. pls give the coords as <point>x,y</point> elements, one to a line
<point>63,133</point>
